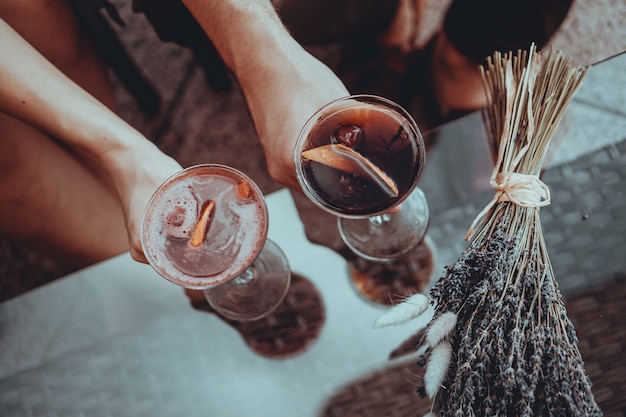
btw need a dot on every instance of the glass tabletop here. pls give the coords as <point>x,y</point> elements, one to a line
<point>116,339</point>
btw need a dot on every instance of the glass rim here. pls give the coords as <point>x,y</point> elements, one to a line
<point>420,159</point>
<point>200,283</point>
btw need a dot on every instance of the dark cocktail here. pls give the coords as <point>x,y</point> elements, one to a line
<point>360,156</point>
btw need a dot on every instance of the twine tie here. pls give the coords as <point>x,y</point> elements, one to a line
<point>521,189</point>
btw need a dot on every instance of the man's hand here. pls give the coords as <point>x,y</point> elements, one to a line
<point>283,84</point>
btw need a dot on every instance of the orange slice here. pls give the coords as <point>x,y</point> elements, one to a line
<point>202,227</point>
<point>341,157</point>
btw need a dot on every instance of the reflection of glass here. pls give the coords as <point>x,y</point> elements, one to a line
<point>359,157</point>
<point>389,282</point>
<point>205,228</point>
<point>289,330</point>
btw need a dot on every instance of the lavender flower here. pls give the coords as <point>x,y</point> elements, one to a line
<point>514,349</point>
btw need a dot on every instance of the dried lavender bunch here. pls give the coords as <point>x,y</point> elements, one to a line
<point>500,342</point>
<point>515,349</point>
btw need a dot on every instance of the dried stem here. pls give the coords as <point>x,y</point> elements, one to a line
<point>515,349</point>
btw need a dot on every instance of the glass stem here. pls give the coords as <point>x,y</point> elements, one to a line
<point>246,277</point>
<point>380,219</point>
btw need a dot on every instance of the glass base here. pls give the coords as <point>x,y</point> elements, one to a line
<point>388,283</point>
<point>390,235</point>
<point>291,328</point>
<point>257,291</point>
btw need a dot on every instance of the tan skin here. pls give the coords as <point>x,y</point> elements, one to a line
<point>43,206</point>
<point>282,83</point>
<point>71,183</point>
<point>74,177</point>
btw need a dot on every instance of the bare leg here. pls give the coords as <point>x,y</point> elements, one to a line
<point>455,79</point>
<point>50,199</point>
<point>402,32</point>
<point>474,30</point>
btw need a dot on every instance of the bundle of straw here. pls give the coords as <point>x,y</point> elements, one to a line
<point>500,341</point>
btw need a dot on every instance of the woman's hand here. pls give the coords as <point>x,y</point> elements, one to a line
<point>137,173</point>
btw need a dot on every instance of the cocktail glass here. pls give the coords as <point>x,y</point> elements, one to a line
<point>205,228</point>
<point>360,158</point>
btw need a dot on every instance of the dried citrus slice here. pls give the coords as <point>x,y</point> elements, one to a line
<point>341,157</point>
<point>202,227</point>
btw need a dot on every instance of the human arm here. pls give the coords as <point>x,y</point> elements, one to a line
<point>36,92</point>
<point>283,84</point>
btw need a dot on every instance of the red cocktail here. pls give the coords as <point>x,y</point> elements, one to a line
<point>206,228</point>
